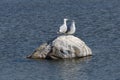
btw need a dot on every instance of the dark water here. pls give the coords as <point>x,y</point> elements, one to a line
<point>25,24</point>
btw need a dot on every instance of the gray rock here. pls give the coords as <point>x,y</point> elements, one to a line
<point>65,46</point>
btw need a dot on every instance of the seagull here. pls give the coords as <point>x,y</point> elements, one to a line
<point>63,28</point>
<point>71,29</point>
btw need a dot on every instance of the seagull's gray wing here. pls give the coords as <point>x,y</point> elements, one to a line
<point>71,29</point>
<point>63,28</point>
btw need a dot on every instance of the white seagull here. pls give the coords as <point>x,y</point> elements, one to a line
<point>72,28</point>
<point>67,30</point>
<point>63,28</point>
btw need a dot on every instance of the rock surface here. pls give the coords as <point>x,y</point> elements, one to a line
<point>65,46</point>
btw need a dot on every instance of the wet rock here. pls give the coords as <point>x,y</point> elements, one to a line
<point>65,46</point>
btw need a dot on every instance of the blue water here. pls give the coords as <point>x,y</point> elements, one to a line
<point>25,24</point>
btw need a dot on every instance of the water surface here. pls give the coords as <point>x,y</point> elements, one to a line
<point>25,24</point>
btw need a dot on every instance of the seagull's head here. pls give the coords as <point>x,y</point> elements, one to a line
<point>65,19</point>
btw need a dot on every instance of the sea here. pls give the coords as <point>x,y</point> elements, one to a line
<point>26,24</point>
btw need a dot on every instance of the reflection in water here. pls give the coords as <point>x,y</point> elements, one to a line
<point>68,69</point>
<point>44,69</point>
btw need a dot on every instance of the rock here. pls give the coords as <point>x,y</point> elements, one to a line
<point>65,46</point>
<point>41,52</point>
